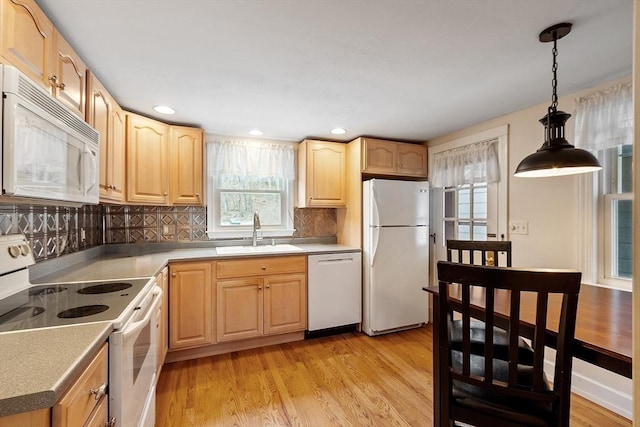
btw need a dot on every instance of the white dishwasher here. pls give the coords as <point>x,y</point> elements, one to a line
<point>335,290</point>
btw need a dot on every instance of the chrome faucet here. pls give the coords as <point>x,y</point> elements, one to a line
<point>256,227</point>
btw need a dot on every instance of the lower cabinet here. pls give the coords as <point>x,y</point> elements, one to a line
<point>212,303</point>
<point>85,404</point>
<point>190,304</point>
<point>252,307</point>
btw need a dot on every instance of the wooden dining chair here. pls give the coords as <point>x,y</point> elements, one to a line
<point>491,253</point>
<point>483,390</point>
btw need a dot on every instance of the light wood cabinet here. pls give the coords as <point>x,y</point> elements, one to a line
<point>26,40</point>
<point>190,304</point>
<point>147,161</point>
<point>164,163</point>
<point>30,42</point>
<point>82,402</point>
<point>69,76</point>
<point>162,280</point>
<point>321,174</point>
<point>186,154</point>
<point>381,157</point>
<point>261,296</point>
<point>106,116</point>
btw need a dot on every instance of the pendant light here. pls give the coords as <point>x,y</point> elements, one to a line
<point>556,157</point>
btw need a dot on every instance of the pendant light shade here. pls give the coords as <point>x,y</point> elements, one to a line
<point>556,157</point>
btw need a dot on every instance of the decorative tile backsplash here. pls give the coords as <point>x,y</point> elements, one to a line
<point>53,230</point>
<point>155,224</point>
<point>56,230</point>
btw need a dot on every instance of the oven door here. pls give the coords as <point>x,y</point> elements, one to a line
<point>132,366</point>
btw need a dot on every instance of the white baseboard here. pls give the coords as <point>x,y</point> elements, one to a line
<point>607,389</point>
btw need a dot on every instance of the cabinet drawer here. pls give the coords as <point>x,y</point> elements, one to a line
<point>260,266</point>
<point>75,407</point>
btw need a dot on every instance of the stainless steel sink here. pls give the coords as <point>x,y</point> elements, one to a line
<point>263,249</point>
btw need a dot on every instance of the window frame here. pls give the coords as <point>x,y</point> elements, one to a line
<point>471,220</point>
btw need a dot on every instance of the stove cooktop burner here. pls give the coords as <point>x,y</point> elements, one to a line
<point>46,290</point>
<point>82,311</point>
<point>104,288</point>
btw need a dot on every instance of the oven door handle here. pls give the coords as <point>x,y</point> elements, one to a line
<point>135,327</point>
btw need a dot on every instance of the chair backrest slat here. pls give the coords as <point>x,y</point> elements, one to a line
<point>466,251</point>
<point>514,335</point>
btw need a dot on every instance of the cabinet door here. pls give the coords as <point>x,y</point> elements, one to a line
<point>285,303</point>
<point>240,309</point>
<point>325,174</point>
<point>379,156</point>
<point>147,161</point>
<point>412,160</point>
<point>26,39</point>
<point>190,305</point>
<point>116,153</point>
<point>99,116</point>
<point>185,147</point>
<point>38,418</point>
<point>69,85</point>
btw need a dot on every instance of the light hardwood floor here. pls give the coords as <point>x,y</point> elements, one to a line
<point>343,380</point>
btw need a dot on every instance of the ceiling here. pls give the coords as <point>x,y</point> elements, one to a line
<point>396,69</point>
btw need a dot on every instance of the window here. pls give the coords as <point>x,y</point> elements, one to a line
<point>604,126</point>
<point>245,177</point>
<point>615,209</point>
<point>465,212</point>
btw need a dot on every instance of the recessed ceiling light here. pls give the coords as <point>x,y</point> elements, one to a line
<point>338,131</point>
<point>164,109</point>
<point>256,132</point>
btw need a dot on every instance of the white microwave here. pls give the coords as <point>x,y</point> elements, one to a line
<point>49,154</point>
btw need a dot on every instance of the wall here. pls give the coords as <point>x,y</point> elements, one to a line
<point>551,206</point>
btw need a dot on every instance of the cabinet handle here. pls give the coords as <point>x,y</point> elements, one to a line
<point>99,392</point>
<point>111,422</point>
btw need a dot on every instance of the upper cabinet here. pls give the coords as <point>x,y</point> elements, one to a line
<point>381,157</point>
<point>26,40</point>
<point>30,42</point>
<point>106,116</point>
<point>147,161</point>
<point>321,174</point>
<point>164,163</point>
<point>68,81</point>
<point>186,154</point>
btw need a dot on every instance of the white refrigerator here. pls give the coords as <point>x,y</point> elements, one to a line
<point>395,255</point>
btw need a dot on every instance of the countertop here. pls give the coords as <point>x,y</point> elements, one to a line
<point>37,366</point>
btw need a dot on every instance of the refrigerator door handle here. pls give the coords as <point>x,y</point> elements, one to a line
<point>375,237</point>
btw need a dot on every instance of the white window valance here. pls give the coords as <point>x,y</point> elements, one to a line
<point>247,158</point>
<point>477,162</point>
<point>604,119</point>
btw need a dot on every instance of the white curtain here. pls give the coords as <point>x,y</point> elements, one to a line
<point>604,119</point>
<point>248,158</point>
<point>472,163</point>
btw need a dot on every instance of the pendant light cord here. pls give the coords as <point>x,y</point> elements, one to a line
<point>554,81</point>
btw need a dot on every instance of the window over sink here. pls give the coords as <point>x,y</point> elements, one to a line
<point>245,177</point>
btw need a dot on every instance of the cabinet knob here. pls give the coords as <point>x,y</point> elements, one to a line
<point>264,267</point>
<point>166,194</point>
<point>53,80</point>
<point>111,422</point>
<point>173,274</point>
<point>268,286</point>
<point>259,287</point>
<point>99,392</point>
<point>61,86</point>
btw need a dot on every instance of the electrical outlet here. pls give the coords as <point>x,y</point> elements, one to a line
<point>518,227</point>
<point>83,235</point>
